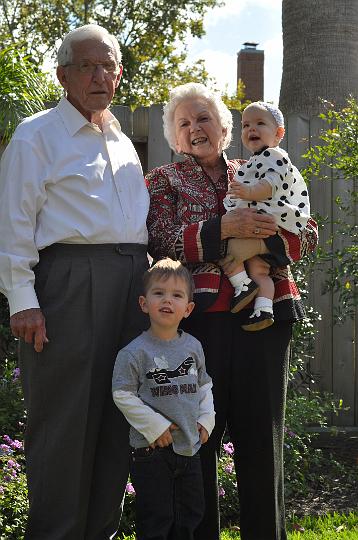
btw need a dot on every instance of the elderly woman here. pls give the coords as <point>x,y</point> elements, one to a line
<point>187,221</point>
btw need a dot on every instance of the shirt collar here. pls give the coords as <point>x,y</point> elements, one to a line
<point>265,148</point>
<point>260,151</point>
<point>74,120</point>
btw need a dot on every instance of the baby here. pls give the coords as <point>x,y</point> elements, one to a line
<point>270,183</point>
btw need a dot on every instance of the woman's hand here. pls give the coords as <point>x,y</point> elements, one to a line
<point>247,223</point>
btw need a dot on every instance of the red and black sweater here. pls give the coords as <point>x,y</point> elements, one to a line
<point>184,223</point>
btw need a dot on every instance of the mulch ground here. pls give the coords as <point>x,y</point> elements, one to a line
<point>336,486</point>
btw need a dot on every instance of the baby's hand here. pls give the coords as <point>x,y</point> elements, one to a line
<point>165,438</point>
<point>204,435</point>
<point>238,190</point>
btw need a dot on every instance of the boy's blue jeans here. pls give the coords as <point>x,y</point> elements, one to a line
<point>169,494</point>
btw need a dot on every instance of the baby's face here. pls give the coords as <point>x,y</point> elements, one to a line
<point>259,129</point>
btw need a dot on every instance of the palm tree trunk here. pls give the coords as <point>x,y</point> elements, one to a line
<point>320,54</point>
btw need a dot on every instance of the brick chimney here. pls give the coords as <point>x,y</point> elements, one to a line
<point>250,69</point>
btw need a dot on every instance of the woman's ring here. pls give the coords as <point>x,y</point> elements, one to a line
<point>257,231</point>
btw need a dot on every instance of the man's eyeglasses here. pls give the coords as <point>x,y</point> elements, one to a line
<point>89,67</point>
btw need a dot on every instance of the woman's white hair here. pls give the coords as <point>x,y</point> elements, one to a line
<point>195,90</point>
<point>88,31</point>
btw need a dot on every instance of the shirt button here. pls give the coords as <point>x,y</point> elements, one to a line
<point>118,249</point>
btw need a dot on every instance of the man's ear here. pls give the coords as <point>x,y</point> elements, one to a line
<point>62,76</point>
<point>143,304</point>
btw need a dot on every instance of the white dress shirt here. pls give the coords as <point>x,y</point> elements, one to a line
<point>63,180</point>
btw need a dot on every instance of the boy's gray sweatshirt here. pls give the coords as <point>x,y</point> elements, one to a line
<point>157,382</point>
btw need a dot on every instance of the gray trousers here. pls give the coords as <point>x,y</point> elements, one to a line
<point>76,441</point>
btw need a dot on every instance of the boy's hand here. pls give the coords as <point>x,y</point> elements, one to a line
<point>165,438</point>
<point>238,190</point>
<point>204,435</point>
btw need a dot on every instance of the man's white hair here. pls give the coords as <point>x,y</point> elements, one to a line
<point>88,31</point>
<point>195,90</point>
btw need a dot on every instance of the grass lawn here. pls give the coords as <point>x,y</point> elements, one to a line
<point>330,527</point>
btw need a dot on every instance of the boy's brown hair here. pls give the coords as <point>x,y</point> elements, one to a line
<point>164,269</point>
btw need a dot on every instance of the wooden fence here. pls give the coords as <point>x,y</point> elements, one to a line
<point>335,364</point>
<point>335,358</point>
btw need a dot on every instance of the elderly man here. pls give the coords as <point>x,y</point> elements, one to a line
<point>73,208</point>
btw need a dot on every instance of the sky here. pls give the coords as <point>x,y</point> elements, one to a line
<point>227,28</point>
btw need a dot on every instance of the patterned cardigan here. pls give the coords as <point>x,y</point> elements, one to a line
<point>184,223</point>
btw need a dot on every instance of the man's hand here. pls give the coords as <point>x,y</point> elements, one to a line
<point>166,438</point>
<point>204,435</point>
<point>29,325</point>
<point>247,223</point>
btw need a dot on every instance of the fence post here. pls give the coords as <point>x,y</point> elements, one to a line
<point>159,152</point>
<point>234,150</point>
<point>343,343</point>
<point>321,204</point>
<point>297,139</point>
<point>125,117</point>
<point>140,134</point>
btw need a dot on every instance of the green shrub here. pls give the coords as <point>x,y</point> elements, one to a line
<point>306,407</point>
<point>337,159</point>
<point>126,526</point>
<point>228,497</point>
<point>22,88</point>
<point>12,413</point>
<point>302,460</point>
<point>13,490</point>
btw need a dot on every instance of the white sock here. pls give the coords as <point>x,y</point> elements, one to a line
<point>263,304</point>
<point>237,279</point>
<point>240,282</point>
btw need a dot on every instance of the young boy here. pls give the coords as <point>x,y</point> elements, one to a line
<point>270,183</point>
<point>161,386</point>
